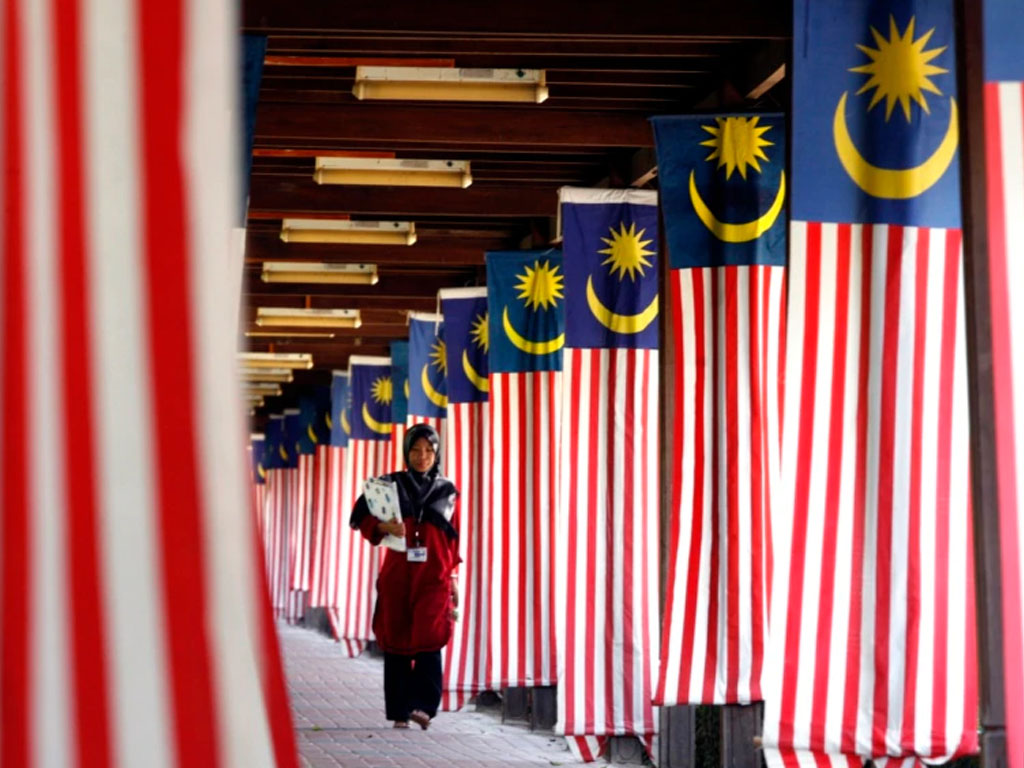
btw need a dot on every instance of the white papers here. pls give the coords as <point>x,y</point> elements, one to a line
<point>382,499</point>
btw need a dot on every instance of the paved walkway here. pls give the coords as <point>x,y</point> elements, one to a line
<point>338,704</point>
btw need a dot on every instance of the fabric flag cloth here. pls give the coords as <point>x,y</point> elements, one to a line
<point>723,185</point>
<point>326,496</point>
<point>606,545</point>
<point>428,373</point>
<point>400,403</point>
<point>1003,25</point>
<point>258,477</point>
<point>466,464</point>
<point>526,298</point>
<point>275,527</point>
<point>371,392</point>
<point>313,432</point>
<point>288,476</point>
<point>873,592</point>
<point>136,627</point>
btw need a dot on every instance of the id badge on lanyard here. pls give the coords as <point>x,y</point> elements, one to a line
<point>417,553</point>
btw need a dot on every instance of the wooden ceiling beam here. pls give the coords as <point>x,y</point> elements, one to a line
<point>359,301</point>
<point>689,20</point>
<point>299,197</point>
<point>392,124</point>
<point>389,286</point>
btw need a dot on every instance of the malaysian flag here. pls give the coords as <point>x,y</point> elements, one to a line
<point>371,391</point>
<point>428,373</point>
<point>275,516</point>
<point>258,476</point>
<point>722,183</point>
<point>288,476</point>
<point>607,529</point>
<point>327,541</point>
<point>466,464</point>
<point>526,299</point>
<point>1003,27</point>
<point>400,403</point>
<point>313,433</point>
<point>321,492</point>
<point>135,623</point>
<point>872,603</point>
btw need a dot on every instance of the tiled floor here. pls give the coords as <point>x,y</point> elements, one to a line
<point>338,705</point>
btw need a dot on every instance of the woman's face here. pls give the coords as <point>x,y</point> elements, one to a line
<point>421,455</point>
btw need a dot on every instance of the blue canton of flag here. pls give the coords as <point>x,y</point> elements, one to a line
<point>1004,30</point>
<point>875,114</point>
<point>274,454</point>
<point>292,432</point>
<point>526,301</point>
<point>610,252</point>
<point>723,188</point>
<point>428,367</point>
<point>341,409</point>
<point>372,392</point>
<point>400,375</point>
<point>314,410</point>
<point>466,342</point>
<point>259,446</point>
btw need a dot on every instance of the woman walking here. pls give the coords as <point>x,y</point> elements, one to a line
<point>416,593</point>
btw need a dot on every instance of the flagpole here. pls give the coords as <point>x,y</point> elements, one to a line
<point>984,475</point>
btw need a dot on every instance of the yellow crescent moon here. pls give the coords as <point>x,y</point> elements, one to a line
<point>527,346</point>
<point>327,418</point>
<point>894,183</point>
<point>620,323</point>
<point>406,388</point>
<point>282,452</point>
<point>312,434</point>
<point>478,381</point>
<point>745,231</point>
<point>441,401</point>
<point>377,426</point>
<point>345,425</point>
<point>261,471</point>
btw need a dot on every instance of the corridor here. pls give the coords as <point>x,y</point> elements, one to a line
<point>338,709</point>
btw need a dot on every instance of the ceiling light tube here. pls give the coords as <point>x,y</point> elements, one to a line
<point>275,375</point>
<point>392,172</point>
<point>261,388</point>
<point>347,231</point>
<point>308,318</point>
<point>288,335</point>
<point>450,84</point>
<point>319,272</point>
<point>275,360</point>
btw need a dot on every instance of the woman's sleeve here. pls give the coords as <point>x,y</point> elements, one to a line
<point>364,522</point>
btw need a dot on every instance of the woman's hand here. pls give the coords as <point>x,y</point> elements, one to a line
<point>455,593</point>
<point>393,528</point>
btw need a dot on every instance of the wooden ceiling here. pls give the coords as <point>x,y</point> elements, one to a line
<point>610,66</point>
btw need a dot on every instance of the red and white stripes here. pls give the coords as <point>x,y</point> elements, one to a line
<point>524,417</point>
<point>466,464</point>
<point>726,331</point>
<point>321,522</point>
<point>1004,147</point>
<point>134,632</point>
<point>606,587</point>
<point>350,606</point>
<point>873,599</point>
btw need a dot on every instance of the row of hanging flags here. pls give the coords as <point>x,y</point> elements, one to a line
<point>820,542</point>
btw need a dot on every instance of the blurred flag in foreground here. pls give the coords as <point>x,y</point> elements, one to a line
<point>135,628</point>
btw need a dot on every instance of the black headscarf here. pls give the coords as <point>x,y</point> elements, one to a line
<point>422,495</point>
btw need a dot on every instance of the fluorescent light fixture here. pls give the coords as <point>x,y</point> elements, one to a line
<point>346,231</point>
<point>392,173</point>
<point>308,318</point>
<point>288,334</point>
<point>254,402</point>
<point>450,84</point>
<point>261,387</point>
<point>319,272</point>
<point>276,375</point>
<point>275,360</point>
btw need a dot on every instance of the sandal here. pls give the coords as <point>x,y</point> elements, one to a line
<point>401,723</point>
<point>421,718</point>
